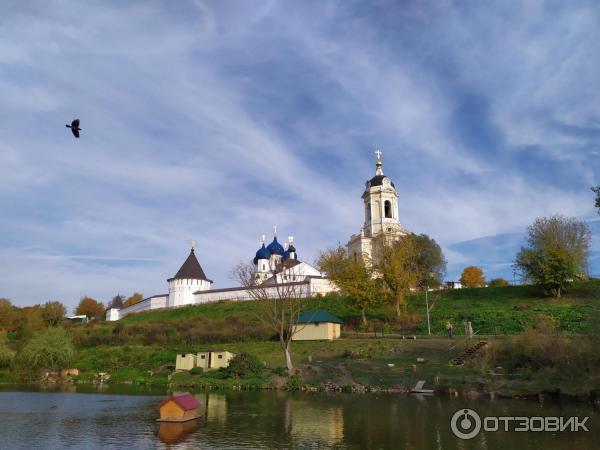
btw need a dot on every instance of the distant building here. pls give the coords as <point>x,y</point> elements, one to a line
<point>453,285</point>
<point>316,326</point>
<point>79,318</point>
<point>275,266</point>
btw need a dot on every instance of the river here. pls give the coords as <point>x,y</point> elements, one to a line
<point>124,418</point>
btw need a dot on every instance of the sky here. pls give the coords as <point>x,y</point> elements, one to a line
<point>216,120</point>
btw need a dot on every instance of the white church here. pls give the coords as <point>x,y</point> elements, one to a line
<point>276,265</point>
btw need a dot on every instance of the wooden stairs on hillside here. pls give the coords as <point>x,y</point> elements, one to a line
<point>468,354</point>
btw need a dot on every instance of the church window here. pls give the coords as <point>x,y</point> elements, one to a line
<point>368,211</point>
<point>388,209</point>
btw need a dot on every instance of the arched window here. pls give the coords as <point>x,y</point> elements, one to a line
<point>368,211</point>
<point>388,209</point>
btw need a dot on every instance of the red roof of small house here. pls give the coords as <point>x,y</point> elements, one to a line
<point>186,401</point>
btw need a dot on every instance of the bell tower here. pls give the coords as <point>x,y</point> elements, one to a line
<point>381,203</point>
<point>380,200</point>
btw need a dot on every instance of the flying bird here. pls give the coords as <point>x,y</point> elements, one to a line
<point>74,127</point>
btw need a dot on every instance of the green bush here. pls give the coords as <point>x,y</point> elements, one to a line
<point>49,349</point>
<point>294,383</point>
<point>6,353</point>
<point>197,371</point>
<point>244,365</point>
<point>280,371</point>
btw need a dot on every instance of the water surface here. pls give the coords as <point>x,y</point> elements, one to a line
<point>124,418</point>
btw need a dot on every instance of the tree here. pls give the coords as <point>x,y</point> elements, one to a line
<point>398,266</point>
<point>280,304</point>
<point>430,262</point>
<point>6,353</point>
<point>596,191</point>
<point>49,349</point>
<point>472,276</point>
<point>53,313</point>
<point>497,282</point>
<point>556,253</point>
<point>90,308</point>
<point>135,298</point>
<point>116,302</point>
<point>8,314</point>
<point>353,277</point>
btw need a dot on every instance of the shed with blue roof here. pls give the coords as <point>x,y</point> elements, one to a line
<point>316,326</point>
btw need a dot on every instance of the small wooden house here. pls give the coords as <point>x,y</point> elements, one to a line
<point>185,361</point>
<point>213,359</point>
<point>316,326</point>
<point>179,408</point>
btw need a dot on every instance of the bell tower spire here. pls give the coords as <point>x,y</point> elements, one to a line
<point>378,164</point>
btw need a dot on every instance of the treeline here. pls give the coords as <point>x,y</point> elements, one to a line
<point>52,313</point>
<point>556,255</point>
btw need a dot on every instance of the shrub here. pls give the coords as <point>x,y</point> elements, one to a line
<point>197,371</point>
<point>6,353</point>
<point>294,383</point>
<point>244,365</point>
<point>280,371</point>
<point>52,349</point>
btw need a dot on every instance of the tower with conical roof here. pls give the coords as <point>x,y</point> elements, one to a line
<point>189,279</point>
<point>380,200</point>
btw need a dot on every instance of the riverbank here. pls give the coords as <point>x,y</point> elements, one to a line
<point>348,364</point>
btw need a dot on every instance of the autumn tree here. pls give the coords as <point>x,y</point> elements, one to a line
<point>90,308</point>
<point>498,282</point>
<point>280,303</point>
<point>472,276</point>
<point>8,314</point>
<point>49,349</point>
<point>596,191</point>
<point>135,298</point>
<point>556,253</point>
<point>353,277</point>
<point>53,313</point>
<point>397,265</point>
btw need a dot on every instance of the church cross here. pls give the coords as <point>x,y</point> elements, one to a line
<point>378,153</point>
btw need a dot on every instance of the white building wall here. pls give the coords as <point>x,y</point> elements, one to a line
<point>181,291</point>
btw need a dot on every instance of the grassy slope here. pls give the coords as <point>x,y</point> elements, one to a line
<point>502,310</point>
<point>492,311</point>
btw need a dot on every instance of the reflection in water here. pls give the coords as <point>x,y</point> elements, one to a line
<point>315,421</point>
<point>174,433</point>
<point>32,420</point>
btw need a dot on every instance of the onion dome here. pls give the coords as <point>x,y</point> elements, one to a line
<point>377,180</point>
<point>262,253</point>
<point>275,247</point>
<point>292,248</point>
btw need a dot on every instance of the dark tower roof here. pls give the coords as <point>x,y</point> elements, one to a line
<point>190,269</point>
<point>377,180</point>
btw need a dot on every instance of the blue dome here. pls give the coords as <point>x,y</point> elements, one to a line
<point>262,253</point>
<point>275,247</point>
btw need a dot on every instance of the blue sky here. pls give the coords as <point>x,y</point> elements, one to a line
<point>216,120</point>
